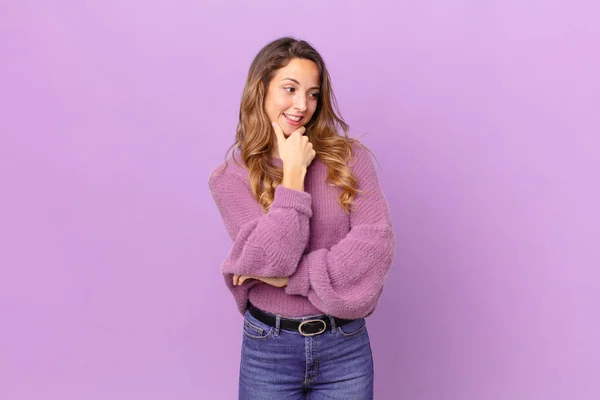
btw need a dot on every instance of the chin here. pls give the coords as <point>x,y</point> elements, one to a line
<point>287,131</point>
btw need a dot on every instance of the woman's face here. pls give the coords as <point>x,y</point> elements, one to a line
<point>292,94</point>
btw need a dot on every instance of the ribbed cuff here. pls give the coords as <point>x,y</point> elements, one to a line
<point>290,198</point>
<point>299,282</point>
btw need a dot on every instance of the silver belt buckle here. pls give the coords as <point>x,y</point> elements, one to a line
<point>312,320</point>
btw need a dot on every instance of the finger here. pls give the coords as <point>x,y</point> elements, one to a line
<point>235,279</point>
<point>297,134</point>
<point>278,132</point>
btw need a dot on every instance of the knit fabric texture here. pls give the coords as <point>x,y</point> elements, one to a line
<point>336,262</point>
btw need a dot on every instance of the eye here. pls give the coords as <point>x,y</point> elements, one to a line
<point>314,95</point>
<point>289,89</point>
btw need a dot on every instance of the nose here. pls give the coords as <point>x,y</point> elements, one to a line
<point>300,103</point>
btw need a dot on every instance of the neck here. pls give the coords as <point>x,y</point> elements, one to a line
<point>275,152</point>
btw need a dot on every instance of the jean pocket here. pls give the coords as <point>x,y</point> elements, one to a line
<point>354,328</point>
<point>255,329</point>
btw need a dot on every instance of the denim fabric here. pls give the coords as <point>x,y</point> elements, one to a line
<point>280,365</point>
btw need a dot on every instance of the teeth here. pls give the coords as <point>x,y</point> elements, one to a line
<point>296,119</point>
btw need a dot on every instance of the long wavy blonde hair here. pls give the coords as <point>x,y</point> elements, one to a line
<point>255,138</point>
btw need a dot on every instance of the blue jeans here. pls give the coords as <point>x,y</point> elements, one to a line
<point>280,365</point>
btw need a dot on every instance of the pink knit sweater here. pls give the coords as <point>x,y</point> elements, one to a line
<point>336,262</point>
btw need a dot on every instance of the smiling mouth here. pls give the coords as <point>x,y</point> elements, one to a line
<point>292,117</point>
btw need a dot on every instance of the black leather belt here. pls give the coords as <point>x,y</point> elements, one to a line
<point>309,327</point>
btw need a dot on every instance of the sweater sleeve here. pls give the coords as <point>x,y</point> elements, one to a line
<point>347,280</point>
<point>264,244</point>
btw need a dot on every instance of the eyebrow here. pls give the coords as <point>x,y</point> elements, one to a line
<point>298,83</point>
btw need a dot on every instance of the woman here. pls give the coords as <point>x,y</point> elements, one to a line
<point>311,229</point>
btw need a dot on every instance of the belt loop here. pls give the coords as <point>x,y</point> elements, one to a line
<point>333,327</point>
<point>277,324</point>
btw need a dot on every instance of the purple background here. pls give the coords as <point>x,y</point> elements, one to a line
<point>484,116</point>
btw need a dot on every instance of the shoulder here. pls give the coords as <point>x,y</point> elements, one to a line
<point>232,172</point>
<point>359,150</point>
<point>361,158</point>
